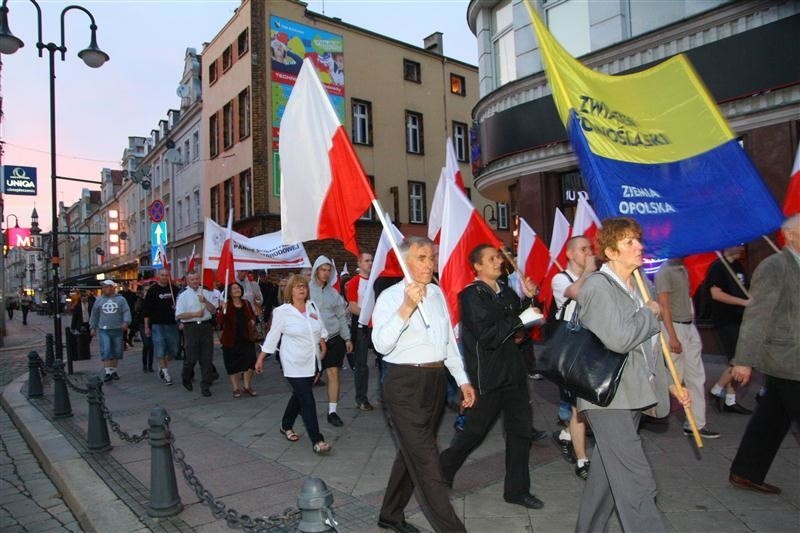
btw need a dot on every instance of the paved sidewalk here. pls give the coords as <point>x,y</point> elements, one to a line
<point>28,499</point>
<point>238,454</point>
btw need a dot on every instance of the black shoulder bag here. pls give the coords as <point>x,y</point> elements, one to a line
<point>575,359</point>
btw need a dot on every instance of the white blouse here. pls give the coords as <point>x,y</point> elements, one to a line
<point>299,335</point>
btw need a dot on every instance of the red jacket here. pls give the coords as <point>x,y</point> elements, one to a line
<point>227,321</point>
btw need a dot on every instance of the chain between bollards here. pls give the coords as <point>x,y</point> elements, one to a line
<point>74,387</point>
<point>127,437</point>
<point>232,517</point>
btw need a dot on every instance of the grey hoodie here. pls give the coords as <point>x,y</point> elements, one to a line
<point>331,305</point>
<point>110,313</point>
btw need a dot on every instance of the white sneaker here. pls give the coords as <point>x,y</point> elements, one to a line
<point>165,377</point>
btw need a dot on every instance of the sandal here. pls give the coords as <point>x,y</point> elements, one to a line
<point>290,434</point>
<point>322,448</point>
<point>250,391</point>
<point>237,393</point>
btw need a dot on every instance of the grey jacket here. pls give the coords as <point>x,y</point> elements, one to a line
<point>609,312</point>
<point>769,338</point>
<point>331,305</point>
<point>110,313</point>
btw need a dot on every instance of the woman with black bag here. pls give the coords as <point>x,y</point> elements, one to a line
<point>611,307</point>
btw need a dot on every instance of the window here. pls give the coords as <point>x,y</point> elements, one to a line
<point>186,151</point>
<point>244,113</point>
<point>458,85</point>
<point>412,71</point>
<point>416,202</point>
<point>179,222</point>
<point>213,135</point>
<point>227,58</point>
<point>228,196</point>
<point>227,125</point>
<point>215,203</point>
<point>195,146</point>
<point>414,137</point>
<point>460,132</point>
<point>180,155</point>
<point>502,215</point>
<point>196,207</point>
<point>369,214</point>
<point>242,43</point>
<point>564,17</point>
<point>362,122</point>
<point>157,180</point>
<point>212,73</point>
<point>505,62</point>
<point>245,195</point>
<point>187,202</point>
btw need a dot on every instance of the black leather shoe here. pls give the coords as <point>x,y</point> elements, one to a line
<point>526,500</point>
<point>565,447</point>
<point>402,527</point>
<point>206,392</point>
<point>744,483</point>
<point>716,401</point>
<point>334,420</point>
<point>539,435</point>
<point>738,409</point>
<point>187,384</point>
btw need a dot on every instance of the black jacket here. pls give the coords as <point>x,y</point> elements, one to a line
<point>489,321</point>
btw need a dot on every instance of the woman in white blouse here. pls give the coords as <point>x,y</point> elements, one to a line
<point>299,329</point>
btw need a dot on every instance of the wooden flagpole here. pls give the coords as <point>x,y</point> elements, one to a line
<point>771,243</point>
<point>676,379</point>
<point>732,273</point>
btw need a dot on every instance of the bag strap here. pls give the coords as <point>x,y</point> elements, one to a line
<point>563,310</point>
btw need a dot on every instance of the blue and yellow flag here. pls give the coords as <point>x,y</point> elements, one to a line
<point>653,145</point>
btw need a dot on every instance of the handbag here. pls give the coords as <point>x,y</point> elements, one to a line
<point>575,359</point>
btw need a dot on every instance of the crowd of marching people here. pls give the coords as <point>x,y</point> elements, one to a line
<point>309,323</point>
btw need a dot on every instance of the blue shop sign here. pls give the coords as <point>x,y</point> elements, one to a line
<point>19,180</point>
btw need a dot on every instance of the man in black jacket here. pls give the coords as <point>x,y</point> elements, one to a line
<point>490,316</point>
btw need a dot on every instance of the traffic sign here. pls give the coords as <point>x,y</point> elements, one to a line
<point>156,261</point>
<point>156,211</point>
<point>158,233</point>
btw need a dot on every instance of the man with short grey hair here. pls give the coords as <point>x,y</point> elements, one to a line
<point>195,310</point>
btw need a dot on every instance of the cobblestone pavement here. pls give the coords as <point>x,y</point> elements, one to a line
<point>28,499</point>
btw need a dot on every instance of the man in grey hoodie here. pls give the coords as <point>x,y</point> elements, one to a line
<point>333,309</point>
<point>111,316</point>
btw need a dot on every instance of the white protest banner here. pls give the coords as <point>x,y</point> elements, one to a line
<point>263,252</point>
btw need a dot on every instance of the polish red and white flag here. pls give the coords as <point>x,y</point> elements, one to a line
<point>324,189</point>
<point>533,257</point>
<point>384,264</point>
<point>450,172</point>
<point>791,205</point>
<point>586,223</point>
<point>190,264</point>
<point>463,228</point>
<point>558,258</point>
<point>226,269</point>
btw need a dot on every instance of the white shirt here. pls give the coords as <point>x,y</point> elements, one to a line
<point>299,335</point>
<point>560,283</point>
<point>188,302</point>
<point>410,342</point>
<point>252,292</point>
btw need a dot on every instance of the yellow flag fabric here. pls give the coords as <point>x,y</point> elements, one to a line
<point>661,115</point>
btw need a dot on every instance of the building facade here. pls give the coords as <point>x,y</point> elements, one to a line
<point>740,50</point>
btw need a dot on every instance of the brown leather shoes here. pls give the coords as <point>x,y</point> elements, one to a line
<point>744,483</point>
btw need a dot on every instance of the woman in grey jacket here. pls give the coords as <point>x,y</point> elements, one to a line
<point>614,310</point>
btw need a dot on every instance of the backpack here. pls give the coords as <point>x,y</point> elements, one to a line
<point>555,314</point>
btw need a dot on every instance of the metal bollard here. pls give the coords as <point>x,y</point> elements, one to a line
<point>97,436</point>
<point>35,389</point>
<point>49,351</point>
<point>61,406</point>
<point>314,502</point>
<point>164,497</point>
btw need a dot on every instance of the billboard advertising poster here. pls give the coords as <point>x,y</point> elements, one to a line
<point>18,237</point>
<point>19,180</point>
<point>290,43</point>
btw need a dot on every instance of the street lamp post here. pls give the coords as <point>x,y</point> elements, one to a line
<point>93,57</point>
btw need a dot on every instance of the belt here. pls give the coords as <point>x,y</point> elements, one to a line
<point>682,322</point>
<point>199,322</point>
<point>433,364</point>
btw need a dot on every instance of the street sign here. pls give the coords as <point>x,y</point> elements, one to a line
<point>156,211</point>
<point>156,261</point>
<point>158,233</point>
<point>19,180</point>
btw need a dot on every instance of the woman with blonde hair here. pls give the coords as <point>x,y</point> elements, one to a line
<point>298,326</point>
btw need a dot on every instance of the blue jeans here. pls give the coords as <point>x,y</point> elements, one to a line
<point>165,340</point>
<point>302,403</point>
<point>110,344</point>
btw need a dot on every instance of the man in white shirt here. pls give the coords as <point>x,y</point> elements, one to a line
<point>414,389</point>
<point>252,292</point>
<point>194,311</point>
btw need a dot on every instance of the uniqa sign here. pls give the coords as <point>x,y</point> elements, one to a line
<point>19,180</point>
